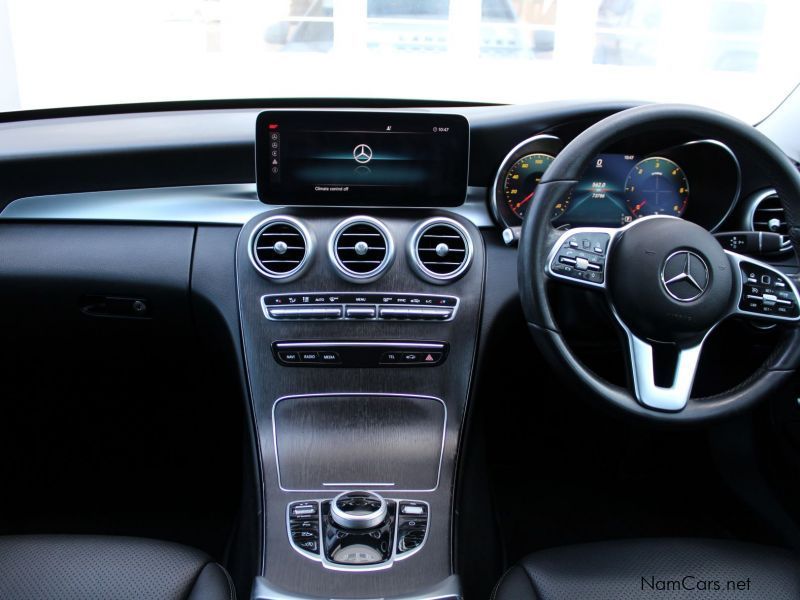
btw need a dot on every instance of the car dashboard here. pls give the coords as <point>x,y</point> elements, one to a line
<point>354,282</point>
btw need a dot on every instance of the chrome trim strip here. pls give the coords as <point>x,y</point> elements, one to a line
<point>226,204</point>
<point>221,204</point>
<point>353,485</point>
<point>357,394</point>
<point>328,311</point>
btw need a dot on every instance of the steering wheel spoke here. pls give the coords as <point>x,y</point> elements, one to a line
<point>580,256</point>
<point>762,291</point>
<point>673,393</point>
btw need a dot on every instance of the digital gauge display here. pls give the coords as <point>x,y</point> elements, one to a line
<point>613,190</point>
<point>599,198</point>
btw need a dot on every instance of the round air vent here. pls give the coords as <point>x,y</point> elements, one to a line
<point>280,248</point>
<point>766,213</point>
<point>361,248</point>
<point>440,250</point>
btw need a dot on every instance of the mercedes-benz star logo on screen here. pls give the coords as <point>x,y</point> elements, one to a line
<point>362,153</point>
<point>685,276</point>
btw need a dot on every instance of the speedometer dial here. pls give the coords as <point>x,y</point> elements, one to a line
<point>656,186</point>
<point>521,180</point>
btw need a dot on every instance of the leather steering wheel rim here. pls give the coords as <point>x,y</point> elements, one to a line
<point>538,239</point>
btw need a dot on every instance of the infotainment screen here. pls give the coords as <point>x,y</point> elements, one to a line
<point>344,158</point>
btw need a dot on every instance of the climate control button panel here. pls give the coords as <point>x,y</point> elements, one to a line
<point>362,307</point>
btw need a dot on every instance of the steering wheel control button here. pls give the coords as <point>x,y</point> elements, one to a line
<point>360,354</point>
<point>580,256</point>
<point>335,305</point>
<point>767,293</point>
<point>581,264</point>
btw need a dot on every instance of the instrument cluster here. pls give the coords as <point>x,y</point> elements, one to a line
<point>698,180</point>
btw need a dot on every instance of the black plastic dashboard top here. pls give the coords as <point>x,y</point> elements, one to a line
<point>227,104</point>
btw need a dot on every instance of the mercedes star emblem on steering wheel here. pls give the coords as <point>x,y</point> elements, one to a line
<point>362,154</point>
<point>685,275</point>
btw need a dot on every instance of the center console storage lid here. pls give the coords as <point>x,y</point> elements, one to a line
<point>380,441</point>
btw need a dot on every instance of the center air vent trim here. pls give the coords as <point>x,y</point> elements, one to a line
<point>361,249</point>
<point>280,248</point>
<point>447,264</point>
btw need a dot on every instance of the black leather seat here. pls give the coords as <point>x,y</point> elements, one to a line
<point>60,567</point>
<point>667,569</point>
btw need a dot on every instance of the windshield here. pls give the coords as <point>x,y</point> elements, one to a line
<point>739,56</point>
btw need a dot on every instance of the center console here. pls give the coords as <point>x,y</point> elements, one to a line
<point>359,328</point>
<point>359,530</point>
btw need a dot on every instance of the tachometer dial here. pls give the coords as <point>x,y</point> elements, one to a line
<point>521,181</point>
<point>656,186</point>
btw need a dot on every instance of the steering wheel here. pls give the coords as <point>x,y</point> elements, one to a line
<point>666,280</point>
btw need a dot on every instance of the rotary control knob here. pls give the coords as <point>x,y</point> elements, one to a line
<point>358,510</point>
